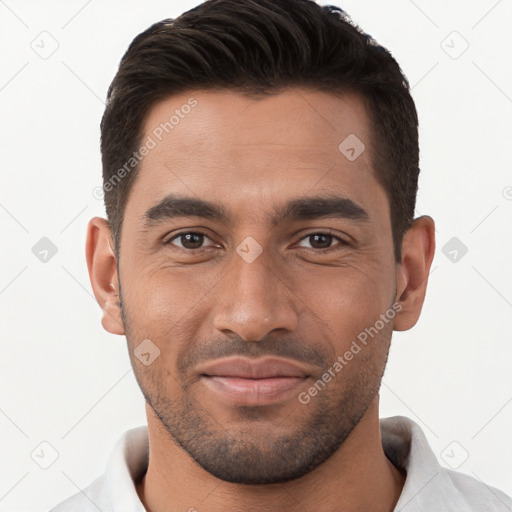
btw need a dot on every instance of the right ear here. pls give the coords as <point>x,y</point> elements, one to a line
<point>101,263</point>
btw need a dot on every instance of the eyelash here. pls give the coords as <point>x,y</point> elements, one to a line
<point>342,243</point>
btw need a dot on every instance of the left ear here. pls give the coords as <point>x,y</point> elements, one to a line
<point>418,247</point>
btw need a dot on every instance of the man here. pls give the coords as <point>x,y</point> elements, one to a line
<point>260,166</point>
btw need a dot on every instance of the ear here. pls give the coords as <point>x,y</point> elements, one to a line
<point>418,247</point>
<point>101,263</point>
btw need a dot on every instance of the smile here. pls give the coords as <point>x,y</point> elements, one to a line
<point>252,392</point>
<point>248,382</point>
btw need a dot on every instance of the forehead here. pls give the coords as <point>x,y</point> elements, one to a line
<point>254,150</point>
<point>303,119</point>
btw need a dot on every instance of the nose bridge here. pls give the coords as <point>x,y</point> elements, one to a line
<point>254,300</point>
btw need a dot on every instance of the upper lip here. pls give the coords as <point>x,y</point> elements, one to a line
<point>261,368</point>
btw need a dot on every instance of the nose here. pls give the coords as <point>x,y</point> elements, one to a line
<point>254,300</point>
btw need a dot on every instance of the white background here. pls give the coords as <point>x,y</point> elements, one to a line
<point>67,382</point>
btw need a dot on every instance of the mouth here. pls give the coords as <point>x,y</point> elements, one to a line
<point>264,381</point>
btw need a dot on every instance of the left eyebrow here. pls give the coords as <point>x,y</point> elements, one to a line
<point>322,206</point>
<point>305,208</point>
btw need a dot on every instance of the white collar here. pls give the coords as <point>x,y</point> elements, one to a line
<point>428,487</point>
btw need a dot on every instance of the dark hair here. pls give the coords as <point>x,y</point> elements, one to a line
<point>261,47</point>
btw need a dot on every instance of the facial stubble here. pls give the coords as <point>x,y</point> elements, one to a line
<point>241,452</point>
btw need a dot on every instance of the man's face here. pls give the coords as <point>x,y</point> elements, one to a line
<point>255,283</point>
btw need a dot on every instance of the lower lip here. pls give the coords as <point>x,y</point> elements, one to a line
<point>254,391</point>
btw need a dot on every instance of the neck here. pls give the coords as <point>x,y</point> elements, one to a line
<point>357,477</point>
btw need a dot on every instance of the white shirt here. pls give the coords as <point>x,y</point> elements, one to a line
<point>428,486</point>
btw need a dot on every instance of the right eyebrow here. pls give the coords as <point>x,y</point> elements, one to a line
<point>173,205</point>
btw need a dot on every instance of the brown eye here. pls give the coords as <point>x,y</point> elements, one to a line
<point>321,241</point>
<point>188,240</point>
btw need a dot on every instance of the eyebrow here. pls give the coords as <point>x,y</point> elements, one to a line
<point>315,207</point>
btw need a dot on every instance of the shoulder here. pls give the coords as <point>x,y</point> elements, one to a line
<point>477,494</point>
<point>428,485</point>
<point>93,498</point>
<point>115,489</point>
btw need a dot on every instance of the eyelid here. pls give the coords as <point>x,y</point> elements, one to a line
<point>342,242</point>
<point>186,232</point>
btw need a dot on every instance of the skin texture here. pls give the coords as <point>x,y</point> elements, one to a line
<point>295,301</point>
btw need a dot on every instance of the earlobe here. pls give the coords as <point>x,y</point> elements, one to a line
<point>418,249</point>
<point>101,264</point>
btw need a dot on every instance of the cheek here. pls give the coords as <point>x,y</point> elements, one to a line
<point>167,306</point>
<point>164,295</point>
<point>347,299</point>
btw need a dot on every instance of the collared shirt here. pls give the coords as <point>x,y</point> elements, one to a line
<point>428,487</point>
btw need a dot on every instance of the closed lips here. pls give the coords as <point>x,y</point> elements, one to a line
<point>244,368</point>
